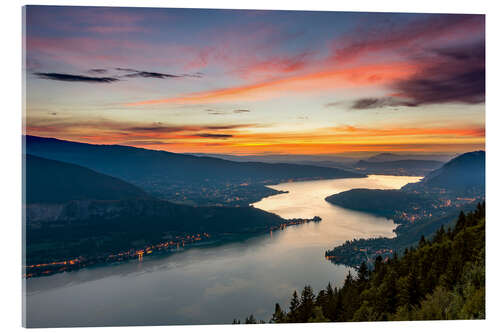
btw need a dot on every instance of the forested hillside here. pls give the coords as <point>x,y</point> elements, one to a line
<point>379,202</point>
<point>443,278</point>
<point>49,181</point>
<point>98,228</point>
<point>464,174</point>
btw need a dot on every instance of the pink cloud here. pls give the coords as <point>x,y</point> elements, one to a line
<point>116,29</point>
<point>417,35</point>
<point>88,52</point>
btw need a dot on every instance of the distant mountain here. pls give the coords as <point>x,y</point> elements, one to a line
<point>326,160</point>
<point>385,163</point>
<point>390,157</point>
<point>428,164</point>
<point>181,177</point>
<point>399,167</point>
<point>460,174</point>
<point>49,181</point>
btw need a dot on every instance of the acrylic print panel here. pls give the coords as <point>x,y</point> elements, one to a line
<point>197,166</point>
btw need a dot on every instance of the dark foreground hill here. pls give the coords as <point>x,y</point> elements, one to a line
<point>49,181</point>
<point>181,177</point>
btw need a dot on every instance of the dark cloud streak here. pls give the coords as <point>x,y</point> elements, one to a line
<point>214,136</point>
<point>132,73</point>
<point>75,78</point>
<point>374,103</point>
<point>186,128</point>
<point>155,75</point>
<point>159,129</point>
<point>229,127</point>
<point>98,70</point>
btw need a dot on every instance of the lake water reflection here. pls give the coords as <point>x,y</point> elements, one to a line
<point>214,284</point>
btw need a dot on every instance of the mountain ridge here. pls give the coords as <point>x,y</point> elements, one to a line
<point>390,157</point>
<point>181,177</point>
<point>461,172</point>
<point>50,181</point>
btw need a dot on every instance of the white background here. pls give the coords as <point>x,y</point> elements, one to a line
<point>10,158</point>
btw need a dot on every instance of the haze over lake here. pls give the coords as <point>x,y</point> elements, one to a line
<point>215,284</point>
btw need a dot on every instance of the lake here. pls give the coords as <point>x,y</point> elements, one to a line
<point>215,284</point>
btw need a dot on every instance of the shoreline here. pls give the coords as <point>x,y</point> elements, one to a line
<point>165,248</point>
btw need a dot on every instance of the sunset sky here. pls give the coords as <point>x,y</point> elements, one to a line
<point>256,82</point>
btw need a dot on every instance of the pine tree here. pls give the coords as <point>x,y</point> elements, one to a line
<point>329,291</point>
<point>461,222</point>
<point>294,308</point>
<point>479,210</point>
<point>363,272</point>
<point>322,298</point>
<point>278,316</point>
<point>391,292</point>
<point>378,263</point>
<point>330,309</point>
<point>338,305</point>
<point>421,243</point>
<point>317,315</point>
<point>250,320</point>
<point>348,280</point>
<point>410,292</point>
<point>306,304</point>
<point>438,237</point>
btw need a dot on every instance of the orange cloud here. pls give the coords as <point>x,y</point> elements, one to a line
<point>321,80</point>
<point>458,132</point>
<point>241,139</point>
